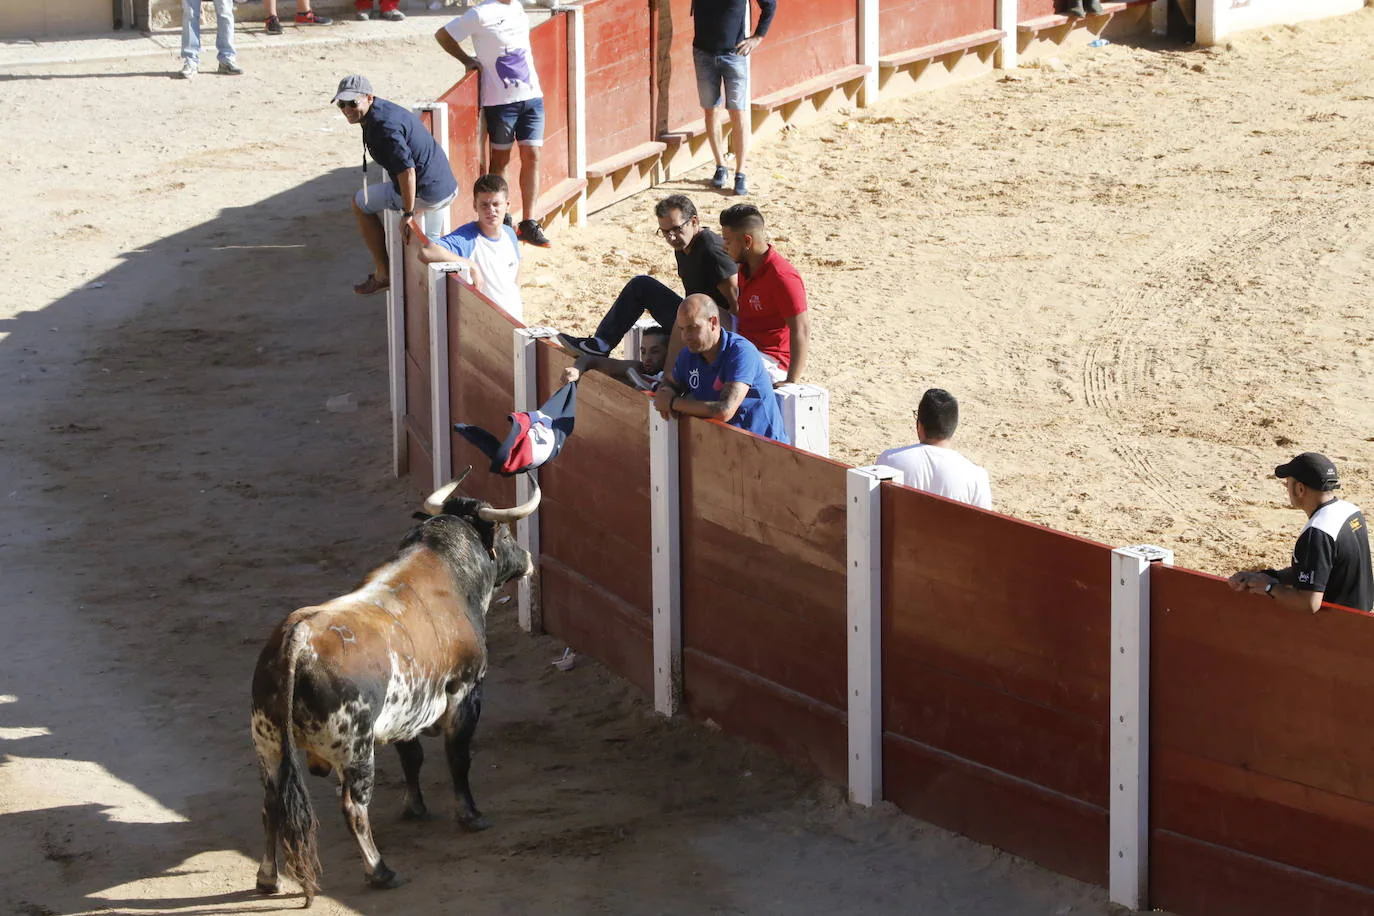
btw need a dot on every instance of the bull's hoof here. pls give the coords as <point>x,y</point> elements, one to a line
<point>384,879</point>
<point>417,813</point>
<point>266,888</point>
<point>473,823</point>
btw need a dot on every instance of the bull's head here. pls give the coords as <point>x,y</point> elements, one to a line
<point>494,526</point>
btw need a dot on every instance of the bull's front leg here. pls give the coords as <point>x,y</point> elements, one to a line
<point>412,755</point>
<point>359,777</point>
<point>458,731</point>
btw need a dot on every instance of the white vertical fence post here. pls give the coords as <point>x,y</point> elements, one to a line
<point>868,51</point>
<point>806,416</point>
<point>577,105</point>
<point>529,612</point>
<point>441,441</point>
<point>665,499</point>
<point>1129,810</point>
<point>435,223</point>
<point>1006,19</point>
<point>864,574</point>
<point>396,341</point>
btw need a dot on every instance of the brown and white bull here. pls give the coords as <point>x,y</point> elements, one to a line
<point>404,653</point>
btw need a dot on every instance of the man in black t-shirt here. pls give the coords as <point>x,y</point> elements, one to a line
<point>702,265</point>
<point>1331,558</point>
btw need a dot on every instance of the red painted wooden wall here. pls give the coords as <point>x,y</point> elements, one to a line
<point>907,24</point>
<point>595,564</point>
<point>549,42</point>
<point>675,97</point>
<point>618,75</point>
<point>481,374</point>
<point>1262,753</point>
<point>764,593</point>
<point>464,150</point>
<point>1034,9</point>
<point>419,414</point>
<point>808,38</point>
<point>996,673</point>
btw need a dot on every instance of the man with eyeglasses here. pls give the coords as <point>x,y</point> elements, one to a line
<point>420,178</point>
<point>702,266</point>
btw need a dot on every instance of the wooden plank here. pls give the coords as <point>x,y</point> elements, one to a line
<point>549,45</point>
<point>904,24</point>
<point>806,41</point>
<point>809,733</point>
<point>929,52</point>
<point>1061,751</point>
<point>635,155</point>
<point>599,553</point>
<point>595,622</point>
<point>416,284</point>
<point>419,406</point>
<point>618,74</point>
<point>464,143</point>
<point>674,74</point>
<point>799,91</point>
<point>1058,832</point>
<point>1187,876</point>
<point>1036,624</point>
<point>420,462</point>
<point>1052,20</point>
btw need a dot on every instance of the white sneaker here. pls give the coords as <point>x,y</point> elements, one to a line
<point>189,68</point>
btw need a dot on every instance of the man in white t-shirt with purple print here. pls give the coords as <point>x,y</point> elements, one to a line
<point>512,102</point>
<point>487,247</point>
<point>931,465</point>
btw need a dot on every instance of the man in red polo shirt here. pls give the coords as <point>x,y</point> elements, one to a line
<point>772,298</point>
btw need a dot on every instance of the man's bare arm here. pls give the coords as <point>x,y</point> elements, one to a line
<point>729,288</point>
<point>731,396</point>
<point>454,49</point>
<point>800,328</point>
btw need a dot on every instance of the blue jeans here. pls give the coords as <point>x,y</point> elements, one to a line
<point>190,29</point>
<point>726,67</point>
<point>642,294</point>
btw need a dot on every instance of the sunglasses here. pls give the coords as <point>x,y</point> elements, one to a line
<point>350,103</point>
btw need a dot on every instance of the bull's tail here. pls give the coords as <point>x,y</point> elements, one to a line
<point>295,815</point>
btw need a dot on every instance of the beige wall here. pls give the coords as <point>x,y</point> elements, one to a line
<point>1216,19</point>
<point>51,18</point>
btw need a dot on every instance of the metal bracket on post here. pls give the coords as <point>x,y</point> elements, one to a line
<point>665,508</point>
<point>396,342</point>
<point>527,529</point>
<point>1128,879</point>
<point>864,547</point>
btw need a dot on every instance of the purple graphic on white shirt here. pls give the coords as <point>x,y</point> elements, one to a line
<point>513,68</point>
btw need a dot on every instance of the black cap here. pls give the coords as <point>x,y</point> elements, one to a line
<point>1311,469</point>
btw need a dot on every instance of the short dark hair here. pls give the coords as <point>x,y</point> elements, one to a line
<point>680,202</point>
<point>655,332</point>
<point>938,413</point>
<point>490,184</point>
<point>742,217</point>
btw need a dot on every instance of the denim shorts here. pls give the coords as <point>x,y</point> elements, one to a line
<point>729,68</point>
<point>514,122</point>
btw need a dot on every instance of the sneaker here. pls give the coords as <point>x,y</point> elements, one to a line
<point>741,186</point>
<point>273,25</point>
<point>587,346</point>
<point>1094,7</point>
<point>189,69</point>
<point>640,380</point>
<point>507,221</point>
<point>532,233</point>
<point>393,15</point>
<point>230,68</point>
<point>364,15</point>
<point>718,179</point>
<point>312,18</point>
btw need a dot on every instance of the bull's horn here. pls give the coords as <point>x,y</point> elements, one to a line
<point>435,504</point>
<point>514,514</point>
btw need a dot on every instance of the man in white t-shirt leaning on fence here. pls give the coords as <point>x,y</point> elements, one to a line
<point>931,465</point>
<point>486,247</point>
<point>509,93</point>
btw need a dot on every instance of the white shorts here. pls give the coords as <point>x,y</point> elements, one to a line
<point>384,196</point>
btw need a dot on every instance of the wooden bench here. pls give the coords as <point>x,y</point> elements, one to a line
<point>1045,23</point>
<point>940,49</point>
<point>678,135</point>
<point>632,156</point>
<point>558,195</point>
<point>775,100</point>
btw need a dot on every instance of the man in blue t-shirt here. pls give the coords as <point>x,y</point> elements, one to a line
<point>486,247</point>
<point>719,375</point>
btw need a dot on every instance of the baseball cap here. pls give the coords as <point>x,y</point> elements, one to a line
<point>1311,469</point>
<point>352,87</point>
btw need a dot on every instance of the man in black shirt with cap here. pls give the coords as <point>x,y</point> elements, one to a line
<point>1331,559</point>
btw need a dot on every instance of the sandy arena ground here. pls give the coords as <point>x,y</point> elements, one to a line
<point>1145,275</point>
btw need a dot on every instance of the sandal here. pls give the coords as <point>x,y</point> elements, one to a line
<point>371,286</point>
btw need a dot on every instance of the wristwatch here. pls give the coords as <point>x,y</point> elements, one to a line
<point>407,213</point>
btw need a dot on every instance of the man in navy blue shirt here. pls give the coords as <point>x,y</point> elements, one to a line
<point>719,375</point>
<point>421,180</point>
